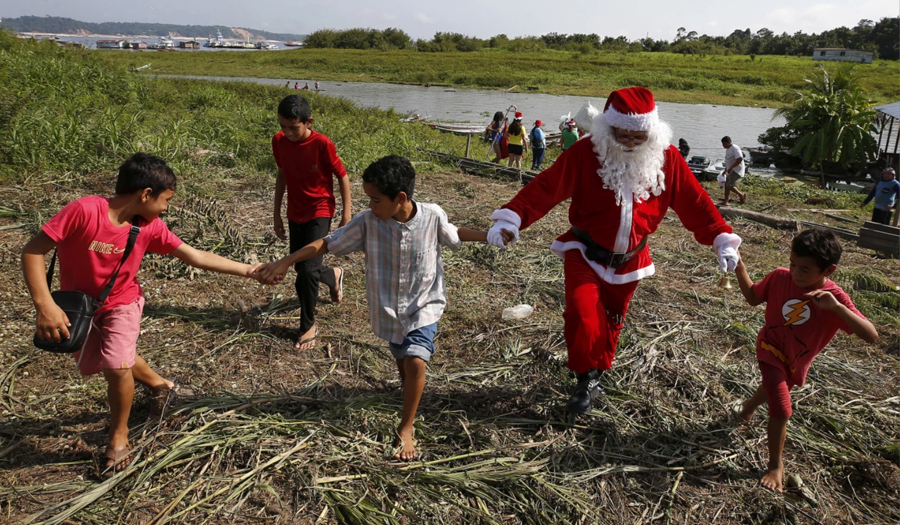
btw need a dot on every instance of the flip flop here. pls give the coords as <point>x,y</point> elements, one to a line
<point>116,460</point>
<point>301,342</point>
<point>337,294</point>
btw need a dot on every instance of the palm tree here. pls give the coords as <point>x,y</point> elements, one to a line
<point>834,121</point>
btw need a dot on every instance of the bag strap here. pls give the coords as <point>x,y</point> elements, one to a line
<point>132,237</point>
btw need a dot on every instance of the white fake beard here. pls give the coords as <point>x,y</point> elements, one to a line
<point>641,166</point>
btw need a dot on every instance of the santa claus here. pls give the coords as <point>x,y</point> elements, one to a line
<point>622,179</point>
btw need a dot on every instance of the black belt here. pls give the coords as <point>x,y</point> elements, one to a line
<point>599,254</point>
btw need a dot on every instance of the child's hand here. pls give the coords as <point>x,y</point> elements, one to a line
<point>271,273</point>
<point>507,235</point>
<point>253,269</point>
<point>52,324</point>
<point>279,228</point>
<point>824,300</point>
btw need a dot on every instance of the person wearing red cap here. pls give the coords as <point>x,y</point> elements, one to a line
<point>538,145</point>
<point>621,181</point>
<point>518,145</point>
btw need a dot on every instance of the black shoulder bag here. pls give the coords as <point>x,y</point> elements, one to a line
<point>79,306</point>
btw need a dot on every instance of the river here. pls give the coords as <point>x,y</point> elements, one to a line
<point>702,125</point>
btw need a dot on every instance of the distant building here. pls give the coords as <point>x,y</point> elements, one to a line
<point>139,45</point>
<point>843,55</point>
<point>189,44</point>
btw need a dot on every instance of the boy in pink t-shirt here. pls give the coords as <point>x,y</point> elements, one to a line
<point>804,311</point>
<point>90,235</point>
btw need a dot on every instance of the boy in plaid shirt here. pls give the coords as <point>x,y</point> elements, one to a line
<point>404,274</point>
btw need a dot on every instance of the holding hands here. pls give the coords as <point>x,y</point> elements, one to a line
<point>502,233</point>
<point>272,273</point>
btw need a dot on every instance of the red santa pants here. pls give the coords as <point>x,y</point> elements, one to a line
<point>594,316</point>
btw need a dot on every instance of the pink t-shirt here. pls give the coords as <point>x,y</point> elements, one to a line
<point>90,249</point>
<point>796,330</point>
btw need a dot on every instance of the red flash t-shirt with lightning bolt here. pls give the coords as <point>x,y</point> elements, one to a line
<point>796,330</point>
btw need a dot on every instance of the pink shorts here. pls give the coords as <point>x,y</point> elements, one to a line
<point>112,342</point>
<point>778,390</point>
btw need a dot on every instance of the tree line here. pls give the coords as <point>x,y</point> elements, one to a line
<point>878,37</point>
<point>60,25</point>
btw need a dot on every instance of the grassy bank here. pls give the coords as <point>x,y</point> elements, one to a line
<point>266,434</point>
<point>731,80</point>
<point>65,111</point>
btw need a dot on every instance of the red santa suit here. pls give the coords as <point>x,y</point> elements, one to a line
<point>597,296</point>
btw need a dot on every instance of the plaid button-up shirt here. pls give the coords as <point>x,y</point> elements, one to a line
<point>404,272</point>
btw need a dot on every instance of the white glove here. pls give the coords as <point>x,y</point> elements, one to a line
<point>495,237</point>
<point>728,258</point>
<point>726,245</point>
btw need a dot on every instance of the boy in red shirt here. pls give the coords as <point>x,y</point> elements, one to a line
<point>306,162</point>
<point>90,235</point>
<point>804,311</point>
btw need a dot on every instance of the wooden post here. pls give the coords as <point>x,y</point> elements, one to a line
<point>468,141</point>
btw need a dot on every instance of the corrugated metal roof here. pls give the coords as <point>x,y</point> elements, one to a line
<point>892,109</point>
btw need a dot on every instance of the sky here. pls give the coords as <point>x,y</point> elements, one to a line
<point>657,19</point>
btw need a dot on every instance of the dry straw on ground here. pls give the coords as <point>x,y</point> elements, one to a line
<point>267,434</point>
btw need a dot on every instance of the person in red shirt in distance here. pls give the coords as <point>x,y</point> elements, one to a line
<point>804,311</point>
<point>307,161</point>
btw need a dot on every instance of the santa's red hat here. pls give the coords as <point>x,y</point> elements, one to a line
<point>632,108</point>
<point>518,115</point>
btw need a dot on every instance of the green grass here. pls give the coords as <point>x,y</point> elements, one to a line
<point>732,80</point>
<point>64,111</point>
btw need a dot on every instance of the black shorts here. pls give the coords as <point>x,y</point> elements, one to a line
<point>515,149</point>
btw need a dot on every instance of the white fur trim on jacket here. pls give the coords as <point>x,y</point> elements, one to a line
<point>644,122</point>
<point>504,214</point>
<point>727,239</point>
<point>609,275</point>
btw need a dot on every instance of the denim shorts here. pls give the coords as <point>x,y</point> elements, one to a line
<point>418,343</point>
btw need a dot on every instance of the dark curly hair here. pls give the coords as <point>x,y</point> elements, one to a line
<point>142,171</point>
<point>820,244</point>
<point>391,175</point>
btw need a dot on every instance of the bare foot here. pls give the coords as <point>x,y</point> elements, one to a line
<point>308,339</point>
<point>406,445</point>
<point>744,415</point>
<point>772,479</point>
<point>337,293</point>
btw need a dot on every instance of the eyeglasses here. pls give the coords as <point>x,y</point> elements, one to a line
<point>625,137</point>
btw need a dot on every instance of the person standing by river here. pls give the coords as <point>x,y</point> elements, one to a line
<point>495,133</point>
<point>683,148</point>
<point>569,135</point>
<point>885,193</point>
<point>518,144</point>
<point>734,169</point>
<point>538,145</point>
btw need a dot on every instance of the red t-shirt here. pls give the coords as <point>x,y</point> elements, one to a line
<point>795,327</point>
<point>90,249</point>
<point>308,167</point>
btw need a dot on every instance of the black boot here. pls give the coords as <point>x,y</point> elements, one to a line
<point>588,387</point>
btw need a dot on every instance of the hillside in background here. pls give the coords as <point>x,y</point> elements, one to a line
<point>60,25</point>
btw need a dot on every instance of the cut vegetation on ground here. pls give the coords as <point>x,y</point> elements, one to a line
<point>264,433</point>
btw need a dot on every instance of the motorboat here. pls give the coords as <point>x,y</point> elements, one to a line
<point>162,43</point>
<point>215,42</point>
<point>698,163</point>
